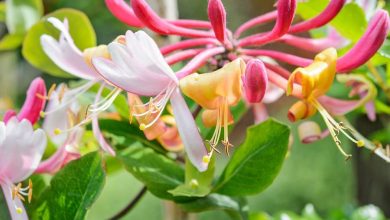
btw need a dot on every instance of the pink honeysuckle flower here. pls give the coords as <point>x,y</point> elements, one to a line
<point>21,150</point>
<point>370,42</point>
<point>141,55</point>
<point>66,113</point>
<point>217,16</point>
<point>33,105</point>
<point>65,54</point>
<point>255,81</point>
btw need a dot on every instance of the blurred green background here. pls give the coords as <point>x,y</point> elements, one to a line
<point>314,173</point>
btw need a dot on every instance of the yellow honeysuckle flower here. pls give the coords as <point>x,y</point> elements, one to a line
<point>216,92</point>
<point>316,79</point>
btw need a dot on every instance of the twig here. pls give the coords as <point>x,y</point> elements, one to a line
<point>131,205</point>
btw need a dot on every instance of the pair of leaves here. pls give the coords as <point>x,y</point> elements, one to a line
<point>251,169</point>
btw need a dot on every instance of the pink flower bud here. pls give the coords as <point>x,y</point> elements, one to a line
<point>217,16</point>
<point>151,20</point>
<point>368,45</point>
<point>255,81</point>
<point>333,8</point>
<point>121,10</point>
<point>34,103</point>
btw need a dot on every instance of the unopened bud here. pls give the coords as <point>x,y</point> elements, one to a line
<point>255,81</point>
<point>217,16</point>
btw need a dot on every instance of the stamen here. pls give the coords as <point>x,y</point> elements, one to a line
<point>336,127</point>
<point>19,192</point>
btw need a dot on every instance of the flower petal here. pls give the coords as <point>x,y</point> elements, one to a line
<point>6,187</point>
<point>65,54</point>
<point>189,133</point>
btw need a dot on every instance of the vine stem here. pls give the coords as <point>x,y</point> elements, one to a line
<point>131,205</point>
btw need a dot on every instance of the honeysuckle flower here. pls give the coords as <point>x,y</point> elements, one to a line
<point>65,54</point>
<point>216,92</point>
<point>21,150</point>
<point>217,16</point>
<point>138,67</point>
<point>255,81</point>
<point>370,42</point>
<point>33,105</point>
<point>316,80</point>
<point>66,115</point>
<point>164,130</point>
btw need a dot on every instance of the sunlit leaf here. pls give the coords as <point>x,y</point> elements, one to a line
<point>256,163</point>
<point>72,190</point>
<point>22,14</point>
<point>80,29</point>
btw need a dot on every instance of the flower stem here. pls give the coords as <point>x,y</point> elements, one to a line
<point>131,205</point>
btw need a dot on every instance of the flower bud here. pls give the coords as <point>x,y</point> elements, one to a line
<point>368,44</point>
<point>255,81</point>
<point>217,16</point>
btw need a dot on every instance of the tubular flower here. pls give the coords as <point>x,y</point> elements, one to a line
<point>255,81</point>
<point>217,16</point>
<point>67,115</point>
<point>316,80</point>
<point>34,103</point>
<point>21,150</point>
<point>65,54</point>
<point>140,54</point>
<point>216,92</point>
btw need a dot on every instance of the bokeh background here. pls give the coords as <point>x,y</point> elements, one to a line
<point>314,173</point>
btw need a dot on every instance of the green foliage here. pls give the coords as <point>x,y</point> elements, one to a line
<point>236,208</point>
<point>197,184</point>
<point>22,14</point>
<point>11,41</point>
<point>156,171</point>
<point>72,190</point>
<point>350,22</point>
<point>4,212</point>
<point>255,164</point>
<point>80,29</point>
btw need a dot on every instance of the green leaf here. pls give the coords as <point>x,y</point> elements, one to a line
<point>197,184</point>
<point>121,134</point>
<point>80,29</point>
<point>156,171</point>
<point>256,163</point>
<point>72,190</point>
<point>4,212</point>
<point>11,41</point>
<point>22,14</point>
<point>350,22</point>
<point>236,208</point>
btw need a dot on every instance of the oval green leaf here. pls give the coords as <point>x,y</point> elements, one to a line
<point>80,29</point>
<point>256,163</point>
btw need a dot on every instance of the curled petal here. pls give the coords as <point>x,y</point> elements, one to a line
<point>64,53</point>
<point>310,131</point>
<point>300,110</point>
<point>333,8</point>
<point>217,16</point>
<point>189,133</point>
<point>121,10</point>
<point>155,23</point>
<point>255,81</point>
<point>368,44</point>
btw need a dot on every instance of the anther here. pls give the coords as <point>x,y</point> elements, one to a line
<point>142,126</point>
<point>194,183</point>
<point>19,210</point>
<point>57,131</point>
